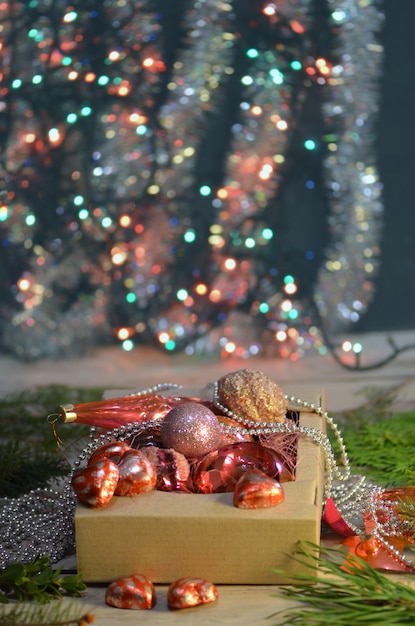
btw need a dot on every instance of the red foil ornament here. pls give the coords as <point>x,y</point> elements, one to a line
<point>95,484</point>
<point>219,471</point>
<point>112,450</point>
<point>236,436</point>
<point>137,474</point>
<point>256,490</point>
<point>187,592</point>
<point>131,592</point>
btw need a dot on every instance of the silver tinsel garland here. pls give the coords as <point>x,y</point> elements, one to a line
<point>132,204</point>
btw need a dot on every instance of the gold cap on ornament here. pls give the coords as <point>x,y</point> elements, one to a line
<point>64,413</point>
<point>67,413</point>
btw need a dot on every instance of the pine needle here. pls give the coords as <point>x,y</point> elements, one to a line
<point>346,592</point>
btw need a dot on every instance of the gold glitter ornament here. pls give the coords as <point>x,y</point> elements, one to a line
<point>252,395</point>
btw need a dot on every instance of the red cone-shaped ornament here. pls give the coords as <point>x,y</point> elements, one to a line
<point>116,412</point>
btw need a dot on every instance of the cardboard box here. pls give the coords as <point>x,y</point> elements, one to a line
<point>167,536</point>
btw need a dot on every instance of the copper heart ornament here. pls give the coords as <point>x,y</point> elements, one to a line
<point>256,490</point>
<point>112,450</point>
<point>137,474</point>
<point>95,484</point>
<point>187,592</point>
<point>131,592</point>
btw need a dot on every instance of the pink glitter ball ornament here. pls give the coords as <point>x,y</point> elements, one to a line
<point>192,429</point>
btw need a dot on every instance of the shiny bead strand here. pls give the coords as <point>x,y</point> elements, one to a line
<point>157,388</point>
<point>39,522</point>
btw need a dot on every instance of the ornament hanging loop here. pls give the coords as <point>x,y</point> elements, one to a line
<point>53,419</point>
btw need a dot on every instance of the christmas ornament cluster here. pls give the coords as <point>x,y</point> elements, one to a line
<point>191,449</point>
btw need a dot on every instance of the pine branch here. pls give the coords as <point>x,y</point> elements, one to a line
<point>345,591</point>
<point>379,442</point>
<point>24,467</point>
<point>383,450</point>
<point>56,614</point>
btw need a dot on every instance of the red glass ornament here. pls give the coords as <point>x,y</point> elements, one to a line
<point>393,499</point>
<point>218,471</point>
<point>116,412</point>
<point>367,548</point>
<point>379,559</point>
<point>334,520</point>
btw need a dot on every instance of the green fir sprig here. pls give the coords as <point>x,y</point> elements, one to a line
<point>29,456</point>
<point>24,467</point>
<point>384,450</point>
<point>345,591</point>
<point>37,581</point>
<point>379,441</point>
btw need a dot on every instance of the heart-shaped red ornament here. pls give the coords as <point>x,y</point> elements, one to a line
<point>256,490</point>
<point>187,592</point>
<point>131,592</point>
<point>95,484</point>
<point>137,474</point>
<point>112,450</point>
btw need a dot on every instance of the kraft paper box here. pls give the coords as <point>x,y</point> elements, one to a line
<point>167,536</point>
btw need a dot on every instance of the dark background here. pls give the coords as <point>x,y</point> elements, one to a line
<point>393,306</point>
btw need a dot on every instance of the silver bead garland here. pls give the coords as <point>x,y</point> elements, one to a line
<point>39,522</point>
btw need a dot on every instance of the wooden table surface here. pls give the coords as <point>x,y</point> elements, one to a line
<point>237,605</point>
